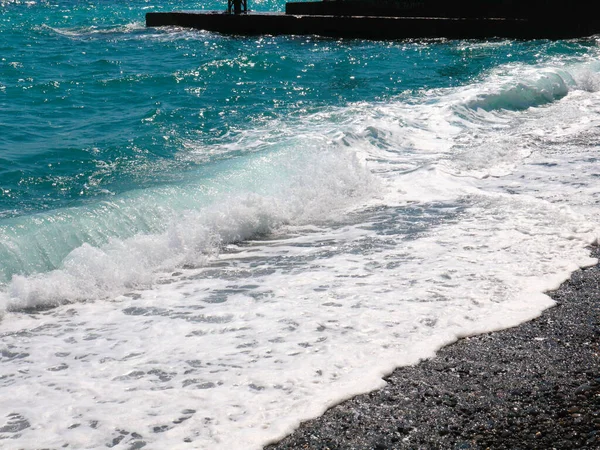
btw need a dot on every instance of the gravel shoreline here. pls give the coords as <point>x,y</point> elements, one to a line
<point>535,386</point>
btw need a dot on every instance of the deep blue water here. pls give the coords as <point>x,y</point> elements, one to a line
<point>93,104</point>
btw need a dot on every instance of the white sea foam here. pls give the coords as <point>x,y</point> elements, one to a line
<point>87,32</point>
<point>285,188</point>
<point>17,2</point>
<point>322,283</point>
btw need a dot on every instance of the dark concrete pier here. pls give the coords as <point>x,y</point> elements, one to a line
<point>375,27</point>
<point>398,19</point>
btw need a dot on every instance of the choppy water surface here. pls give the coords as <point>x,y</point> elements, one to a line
<point>206,239</point>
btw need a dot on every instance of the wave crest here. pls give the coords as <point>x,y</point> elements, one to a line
<point>302,188</point>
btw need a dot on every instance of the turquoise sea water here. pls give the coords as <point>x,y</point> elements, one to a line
<point>175,200</point>
<point>96,106</point>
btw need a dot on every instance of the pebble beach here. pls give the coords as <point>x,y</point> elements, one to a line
<point>535,386</point>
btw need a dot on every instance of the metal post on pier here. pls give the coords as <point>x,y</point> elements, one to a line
<point>237,6</point>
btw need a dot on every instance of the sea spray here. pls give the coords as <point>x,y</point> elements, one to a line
<point>303,189</point>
